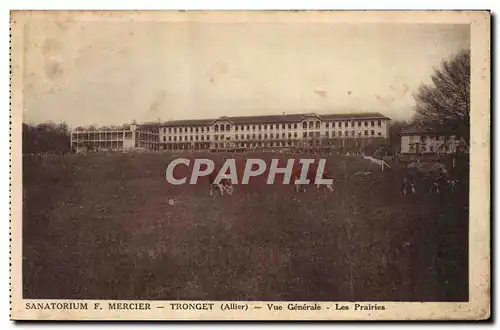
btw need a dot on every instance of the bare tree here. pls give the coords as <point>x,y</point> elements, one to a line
<point>445,104</point>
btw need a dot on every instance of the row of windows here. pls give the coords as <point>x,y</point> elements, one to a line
<point>424,137</point>
<point>305,125</point>
<point>271,136</point>
<point>372,133</point>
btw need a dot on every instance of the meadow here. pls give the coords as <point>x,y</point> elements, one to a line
<point>101,226</point>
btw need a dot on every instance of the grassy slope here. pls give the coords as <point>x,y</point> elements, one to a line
<point>99,226</point>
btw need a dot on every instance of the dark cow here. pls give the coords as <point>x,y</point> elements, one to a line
<point>409,185</point>
<point>311,176</point>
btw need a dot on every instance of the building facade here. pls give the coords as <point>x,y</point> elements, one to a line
<point>423,140</point>
<point>275,131</point>
<point>115,139</point>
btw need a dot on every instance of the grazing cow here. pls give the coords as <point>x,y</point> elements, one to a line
<point>433,176</point>
<point>223,185</point>
<point>311,176</point>
<point>452,184</point>
<point>439,184</point>
<point>409,185</point>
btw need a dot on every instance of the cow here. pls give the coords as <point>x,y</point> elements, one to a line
<point>409,185</point>
<point>224,183</point>
<point>434,176</point>
<point>311,176</point>
<point>452,184</point>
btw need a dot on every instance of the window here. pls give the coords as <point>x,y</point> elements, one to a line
<point>228,127</point>
<point>346,124</point>
<point>170,129</point>
<point>340,133</point>
<point>372,132</point>
<point>295,125</point>
<point>271,135</point>
<point>304,125</point>
<point>260,136</point>
<point>366,132</point>
<point>304,134</point>
<point>327,125</point>
<point>333,124</point>
<point>311,134</point>
<point>352,133</point>
<point>283,135</point>
<point>164,138</point>
<point>317,134</point>
<point>379,123</point>
<point>289,126</point>
<point>175,138</point>
<point>289,135</point>
<point>372,123</point>
<point>260,127</point>
<point>327,134</point>
<point>333,133</point>
<point>185,130</point>
<point>379,134</point>
<point>253,136</point>
<point>196,138</point>
<point>170,138</point>
<point>208,138</point>
<point>366,123</point>
<point>359,123</point>
<point>216,128</point>
<point>282,126</point>
<point>295,134</point>
<point>216,137</point>
<point>317,125</point>
<point>253,127</point>
<point>175,129</point>
<point>265,136</point>
<point>202,137</point>
<point>191,129</point>
<point>236,128</point>
<point>310,125</point>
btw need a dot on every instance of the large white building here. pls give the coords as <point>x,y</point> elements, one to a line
<point>131,137</point>
<point>425,140</point>
<point>275,131</point>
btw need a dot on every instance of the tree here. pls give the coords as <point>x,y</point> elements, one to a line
<point>445,104</point>
<point>394,133</point>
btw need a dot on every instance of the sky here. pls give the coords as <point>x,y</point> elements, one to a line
<point>111,73</point>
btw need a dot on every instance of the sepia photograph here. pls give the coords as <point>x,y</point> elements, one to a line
<point>280,162</point>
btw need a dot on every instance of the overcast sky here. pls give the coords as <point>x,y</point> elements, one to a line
<point>106,73</point>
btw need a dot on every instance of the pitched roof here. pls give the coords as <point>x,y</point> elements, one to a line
<point>418,129</point>
<point>265,119</point>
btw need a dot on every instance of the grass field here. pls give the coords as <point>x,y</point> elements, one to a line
<point>100,227</point>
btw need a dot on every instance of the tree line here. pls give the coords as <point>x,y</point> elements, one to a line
<point>46,138</point>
